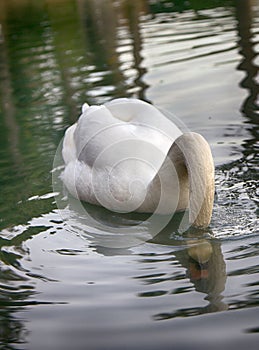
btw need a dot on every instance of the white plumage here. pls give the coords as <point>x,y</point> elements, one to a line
<point>123,155</point>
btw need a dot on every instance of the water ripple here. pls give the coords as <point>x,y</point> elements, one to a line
<point>188,37</point>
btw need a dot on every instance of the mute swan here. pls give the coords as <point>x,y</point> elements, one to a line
<point>126,155</point>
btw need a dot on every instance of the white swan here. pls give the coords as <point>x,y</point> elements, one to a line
<point>127,156</point>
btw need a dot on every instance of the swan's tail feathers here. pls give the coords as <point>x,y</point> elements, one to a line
<point>69,147</point>
<point>85,107</point>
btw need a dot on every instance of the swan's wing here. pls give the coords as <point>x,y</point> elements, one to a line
<point>144,114</point>
<point>96,131</point>
<point>99,131</point>
<point>121,147</point>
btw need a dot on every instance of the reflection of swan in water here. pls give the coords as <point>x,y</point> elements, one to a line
<point>208,277</point>
<point>205,267</point>
<point>195,250</point>
<point>127,156</point>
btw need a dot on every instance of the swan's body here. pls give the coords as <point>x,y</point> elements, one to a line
<point>127,156</point>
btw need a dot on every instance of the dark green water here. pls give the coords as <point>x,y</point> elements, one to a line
<point>59,287</point>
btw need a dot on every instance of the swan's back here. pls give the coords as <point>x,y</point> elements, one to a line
<point>114,151</point>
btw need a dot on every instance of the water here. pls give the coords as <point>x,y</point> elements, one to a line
<point>61,287</point>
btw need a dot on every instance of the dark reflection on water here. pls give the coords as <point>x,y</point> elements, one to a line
<point>17,289</point>
<point>204,267</point>
<point>63,289</point>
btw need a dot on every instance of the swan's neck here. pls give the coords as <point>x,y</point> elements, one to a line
<point>192,151</point>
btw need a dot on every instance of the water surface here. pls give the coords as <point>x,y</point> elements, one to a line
<point>61,286</point>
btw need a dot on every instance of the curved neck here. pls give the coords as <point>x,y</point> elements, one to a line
<point>193,151</point>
